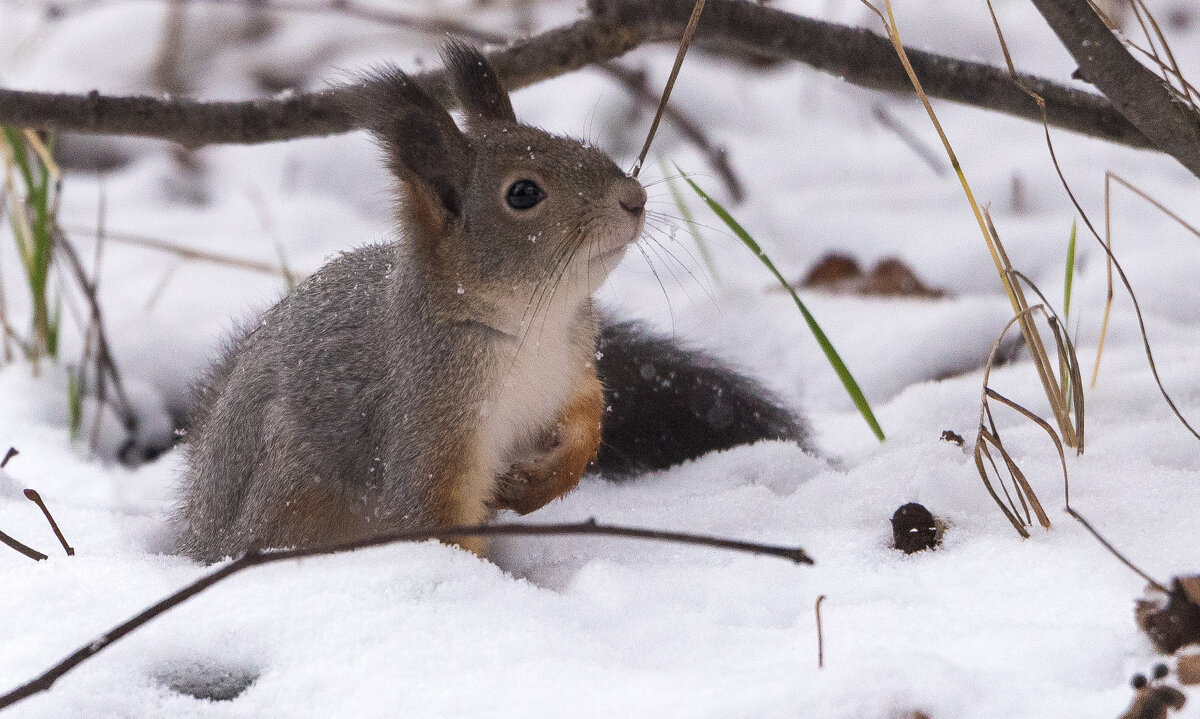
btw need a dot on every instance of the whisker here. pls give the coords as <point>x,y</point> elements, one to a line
<point>670,308</point>
<point>683,265</point>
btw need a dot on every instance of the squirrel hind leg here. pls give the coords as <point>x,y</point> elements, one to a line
<point>668,404</point>
<point>462,491</point>
<point>317,514</point>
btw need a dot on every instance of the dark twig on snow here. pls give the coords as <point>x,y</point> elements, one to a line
<point>1091,530</point>
<point>255,558</point>
<point>617,26</point>
<point>23,549</point>
<point>33,496</point>
<point>820,634</point>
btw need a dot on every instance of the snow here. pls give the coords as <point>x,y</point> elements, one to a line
<point>989,625</point>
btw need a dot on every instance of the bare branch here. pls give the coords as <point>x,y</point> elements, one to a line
<point>1142,97</point>
<point>44,681</point>
<point>854,54</point>
<point>864,58</point>
<point>23,549</point>
<point>33,496</point>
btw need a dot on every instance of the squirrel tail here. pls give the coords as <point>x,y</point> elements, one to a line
<point>668,404</point>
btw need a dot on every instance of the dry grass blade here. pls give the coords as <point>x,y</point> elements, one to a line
<point>989,435</point>
<point>191,253</point>
<point>1170,68</point>
<point>1109,178</point>
<point>1124,560</point>
<point>105,360</point>
<point>981,451</point>
<point>1113,263</point>
<point>1033,340</point>
<point>684,42</point>
<point>1056,393</point>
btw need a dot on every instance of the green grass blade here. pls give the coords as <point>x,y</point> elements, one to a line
<point>16,143</point>
<point>1070,273</point>
<point>826,346</point>
<point>74,402</point>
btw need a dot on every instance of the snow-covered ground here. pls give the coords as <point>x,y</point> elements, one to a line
<point>990,625</point>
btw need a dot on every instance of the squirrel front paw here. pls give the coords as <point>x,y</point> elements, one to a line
<point>547,473</point>
<point>560,457</point>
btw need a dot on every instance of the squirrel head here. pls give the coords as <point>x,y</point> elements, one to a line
<point>505,214</point>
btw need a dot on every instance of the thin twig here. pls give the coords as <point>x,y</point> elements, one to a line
<point>254,558</point>
<point>1149,580</point>
<point>716,157</point>
<point>23,549</point>
<point>1109,178</point>
<point>12,452</point>
<point>684,42</point>
<point>104,356</point>
<point>909,138</point>
<point>33,496</point>
<point>191,253</point>
<point>820,634</point>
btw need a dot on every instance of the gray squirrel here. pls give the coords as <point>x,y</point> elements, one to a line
<point>462,369</point>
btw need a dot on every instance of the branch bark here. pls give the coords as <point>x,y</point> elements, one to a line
<point>617,26</point>
<point>46,679</point>
<point>1136,92</point>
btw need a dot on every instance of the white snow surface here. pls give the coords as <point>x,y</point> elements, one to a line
<point>989,625</point>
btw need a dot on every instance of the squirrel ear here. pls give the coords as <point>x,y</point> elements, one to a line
<point>476,83</point>
<point>425,148</point>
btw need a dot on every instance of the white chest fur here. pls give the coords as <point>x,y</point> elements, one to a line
<point>533,385</point>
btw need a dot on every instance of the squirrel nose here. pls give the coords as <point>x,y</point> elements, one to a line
<point>632,198</point>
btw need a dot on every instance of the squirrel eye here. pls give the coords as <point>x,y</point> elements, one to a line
<point>524,194</point>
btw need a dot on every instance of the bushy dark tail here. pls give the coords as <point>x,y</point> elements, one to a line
<point>669,404</point>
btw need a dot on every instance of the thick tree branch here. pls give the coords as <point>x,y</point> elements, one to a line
<point>863,58</point>
<point>857,55</point>
<point>1136,92</point>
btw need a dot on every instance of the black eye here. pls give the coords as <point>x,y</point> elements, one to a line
<point>524,194</point>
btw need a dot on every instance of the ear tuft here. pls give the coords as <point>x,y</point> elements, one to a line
<point>476,83</point>
<point>425,148</point>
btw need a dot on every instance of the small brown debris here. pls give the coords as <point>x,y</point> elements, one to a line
<point>1187,669</point>
<point>914,529</point>
<point>1175,622</point>
<point>1154,699</point>
<point>891,277</point>
<point>831,269</point>
<point>949,435</point>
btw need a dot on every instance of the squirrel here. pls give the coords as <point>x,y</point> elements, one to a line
<point>462,369</point>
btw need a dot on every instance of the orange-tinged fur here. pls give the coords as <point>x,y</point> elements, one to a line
<point>462,496</point>
<point>316,516</point>
<point>573,444</point>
